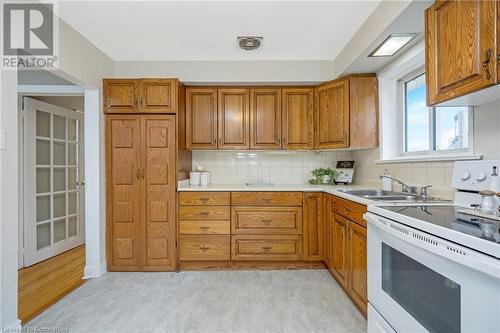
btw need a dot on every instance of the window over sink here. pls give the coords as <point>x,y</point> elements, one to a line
<point>430,130</point>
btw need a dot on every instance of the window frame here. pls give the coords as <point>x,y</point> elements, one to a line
<point>431,152</point>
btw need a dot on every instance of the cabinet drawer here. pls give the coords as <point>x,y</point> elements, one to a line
<point>266,220</point>
<point>204,198</point>
<point>194,247</point>
<point>204,227</point>
<point>266,247</point>
<point>348,209</point>
<point>204,213</point>
<point>267,198</point>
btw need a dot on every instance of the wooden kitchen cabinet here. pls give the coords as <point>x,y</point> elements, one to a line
<point>346,248</point>
<point>233,118</point>
<point>297,118</point>
<point>157,95</point>
<point>265,118</point>
<point>140,150</point>
<point>120,95</point>
<point>313,226</point>
<point>140,95</point>
<point>357,282</point>
<point>332,115</point>
<point>460,48</point>
<point>201,118</point>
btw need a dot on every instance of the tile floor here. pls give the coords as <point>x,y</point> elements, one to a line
<point>306,301</point>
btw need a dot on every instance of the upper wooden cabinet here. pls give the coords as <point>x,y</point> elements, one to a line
<point>120,96</point>
<point>297,118</point>
<point>460,48</point>
<point>157,95</point>
<point>201,118</point>
<point>346,113</point>
<point>233,119</point>
<point>265,118</point>
<point>140,95</point>
<point>332,115</point>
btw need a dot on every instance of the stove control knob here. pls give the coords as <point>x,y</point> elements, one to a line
<point>465,175</point>
<point>481,176</point>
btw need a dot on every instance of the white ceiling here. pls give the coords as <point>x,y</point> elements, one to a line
<point>207,30</point>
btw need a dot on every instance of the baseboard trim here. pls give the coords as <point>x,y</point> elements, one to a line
<point>208,265</point>
<point>14,327</point>
<point>94,271</point>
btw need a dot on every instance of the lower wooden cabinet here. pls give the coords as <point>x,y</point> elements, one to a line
<point>266,247</point>
<point>313,226</point>
<point>202,247</point>
<point>345,249</point>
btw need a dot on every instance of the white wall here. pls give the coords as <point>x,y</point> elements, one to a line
<point>229,71</point>
<point>278,167</point>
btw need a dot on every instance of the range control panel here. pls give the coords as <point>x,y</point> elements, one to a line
<point>476,175</point>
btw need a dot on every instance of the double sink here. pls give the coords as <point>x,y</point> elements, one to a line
<point>390,196</point>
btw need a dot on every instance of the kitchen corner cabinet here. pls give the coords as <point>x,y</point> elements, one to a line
<point>346,113</point>
<point>461,56</point>
<point>140,95</point>
<point>201,118</point>
<point>233,118</point>
<point>345,248</point>
<point>297,118</point>
<point>313,226</point>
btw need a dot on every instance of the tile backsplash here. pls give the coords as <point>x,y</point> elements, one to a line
<point>278,167</point>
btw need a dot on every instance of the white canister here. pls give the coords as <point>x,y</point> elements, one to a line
<point>194,178</point>
<point>205,178</point>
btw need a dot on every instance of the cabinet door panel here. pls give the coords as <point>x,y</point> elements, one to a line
<point>313,226</point>
<point>332,115</point>
<point>357,266</point>
<point>340,249</point>
<point>265,119</point>
<point>124,196</point>
<point>158,95</point>
<point>233,119</point>
<point>120,96</point>
<point>201,118</point>
<point>297,118</point>
<point>158,154</point>
<point>459,37</point>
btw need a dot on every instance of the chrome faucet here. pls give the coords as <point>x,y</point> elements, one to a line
<point>404,188</point>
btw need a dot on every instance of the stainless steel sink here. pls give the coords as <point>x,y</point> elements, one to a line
<point>381,195</point>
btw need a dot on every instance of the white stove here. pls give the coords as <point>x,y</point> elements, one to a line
<point>432,268</point>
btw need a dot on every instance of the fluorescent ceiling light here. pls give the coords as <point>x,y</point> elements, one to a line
<point>392,44</point>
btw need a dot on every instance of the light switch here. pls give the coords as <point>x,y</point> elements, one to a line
<point>3,144</point>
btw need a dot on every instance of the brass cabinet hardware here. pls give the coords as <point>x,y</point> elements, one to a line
<point>138,174</point>
<point>204,228</point>
<point>267,200</point>
<point>204,213</point>
<point>267,248</point>
<point>267,221</point>
<point>204,200</point>
<point>204,247</point>
<point>486,62</point>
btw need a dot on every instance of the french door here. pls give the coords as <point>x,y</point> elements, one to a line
<point>53,180</point>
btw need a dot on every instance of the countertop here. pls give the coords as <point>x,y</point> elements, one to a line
<point>334,190</point>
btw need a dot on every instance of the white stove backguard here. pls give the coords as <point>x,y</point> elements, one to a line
<point>476,175</point>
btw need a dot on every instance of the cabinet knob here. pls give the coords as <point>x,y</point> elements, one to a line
<point>204,247</point>
<point>267,248</point>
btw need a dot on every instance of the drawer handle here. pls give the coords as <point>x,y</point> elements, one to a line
<point>204,213</point>
<point>267,248</point>
<point>267,200</point>
<point>205,200</point>
<point>204,247</point>
<point>486,62</point>
<point>204,229</point>
<point>267,221</point>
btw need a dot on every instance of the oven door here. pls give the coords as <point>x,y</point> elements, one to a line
<point>422,283</point>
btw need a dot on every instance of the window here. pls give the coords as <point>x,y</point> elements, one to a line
<point>429,130</point>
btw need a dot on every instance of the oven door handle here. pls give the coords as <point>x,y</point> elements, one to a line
<point>438,246</point>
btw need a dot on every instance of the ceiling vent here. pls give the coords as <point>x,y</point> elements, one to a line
<point>250,43</point>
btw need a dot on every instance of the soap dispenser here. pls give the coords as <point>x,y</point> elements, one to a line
<point>386,182</point>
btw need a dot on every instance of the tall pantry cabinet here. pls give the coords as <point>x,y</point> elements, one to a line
<point>145,157</point>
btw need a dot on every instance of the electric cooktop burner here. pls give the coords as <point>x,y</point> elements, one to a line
<point>449,217</point>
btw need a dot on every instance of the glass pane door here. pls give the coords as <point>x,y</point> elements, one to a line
<point>55,157</point>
